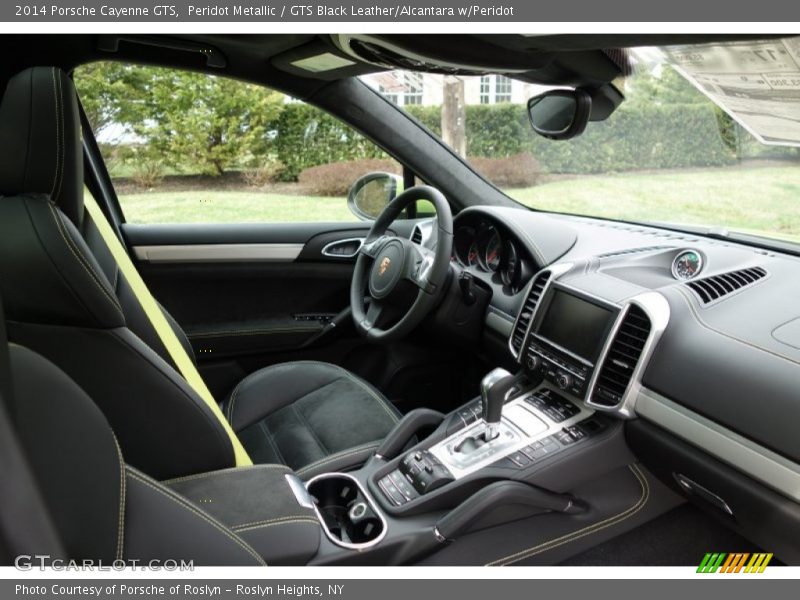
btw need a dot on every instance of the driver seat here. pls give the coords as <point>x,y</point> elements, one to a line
<point>67,299</point>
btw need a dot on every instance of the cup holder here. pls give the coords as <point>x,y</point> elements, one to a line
<point>348,515</point>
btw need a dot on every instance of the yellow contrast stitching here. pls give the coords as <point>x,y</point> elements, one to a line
<point>697,317</point>
<point>208,519</point>
<point>83,262</point>
<point>590,529</point>
<point>276,521</point>
<point>122,492</point>
<point>60,137</point>
<point>232,402</point>
<point>307,521</point>
<point>58,148</point>
<point>229,470</point>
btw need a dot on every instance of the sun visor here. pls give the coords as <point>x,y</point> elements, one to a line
<point>756,82</point>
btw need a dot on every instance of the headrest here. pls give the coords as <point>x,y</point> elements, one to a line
<point>40,134</point>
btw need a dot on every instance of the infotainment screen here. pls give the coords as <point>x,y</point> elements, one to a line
<point>575,324</point>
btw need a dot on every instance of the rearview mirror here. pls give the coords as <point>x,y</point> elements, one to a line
<point>560,114</point>
<point>370,194</point>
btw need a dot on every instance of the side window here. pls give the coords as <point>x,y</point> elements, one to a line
<point>185,147</point>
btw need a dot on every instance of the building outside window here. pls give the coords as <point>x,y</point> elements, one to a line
<point>495,89</point>
<point>402,87</point>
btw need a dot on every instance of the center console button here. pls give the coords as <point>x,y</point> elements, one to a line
<point>391,491</point>
<point>520,459</point>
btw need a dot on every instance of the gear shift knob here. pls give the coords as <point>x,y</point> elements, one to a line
<point>494,387</point>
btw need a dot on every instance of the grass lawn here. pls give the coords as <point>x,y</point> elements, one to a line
<point>763,199</point>
<point>231,207</point>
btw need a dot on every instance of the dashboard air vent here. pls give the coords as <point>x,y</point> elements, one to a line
<point>527,310</point>
<point>623,356</point>
<point>715,287</point>
<point>416,235</point>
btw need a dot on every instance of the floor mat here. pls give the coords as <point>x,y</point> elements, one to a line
<point>680,537</point>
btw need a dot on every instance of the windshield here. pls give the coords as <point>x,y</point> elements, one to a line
<point>668,154</point>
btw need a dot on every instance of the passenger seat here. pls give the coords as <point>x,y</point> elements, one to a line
<point>99,507</point>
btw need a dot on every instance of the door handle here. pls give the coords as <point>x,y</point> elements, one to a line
<point>347,248</point>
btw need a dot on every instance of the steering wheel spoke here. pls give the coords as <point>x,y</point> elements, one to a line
<point>375,312</point>
<point>419,269</point>
<point>373,247</point>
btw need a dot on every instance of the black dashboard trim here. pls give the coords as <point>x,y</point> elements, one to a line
<point>740,386</point>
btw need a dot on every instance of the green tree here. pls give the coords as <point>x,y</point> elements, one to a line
<point>663,87</point>
<point>189,121</point>
<point>208,123</point>
<point>112,95</point>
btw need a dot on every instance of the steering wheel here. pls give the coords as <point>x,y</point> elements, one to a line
<point>392,272</point>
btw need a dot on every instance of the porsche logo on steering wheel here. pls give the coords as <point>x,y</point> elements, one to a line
<point>385,262</point>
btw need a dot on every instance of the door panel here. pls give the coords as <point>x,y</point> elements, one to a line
<point>252,295</point>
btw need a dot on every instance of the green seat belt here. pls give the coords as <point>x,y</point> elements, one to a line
<point>159,322</point>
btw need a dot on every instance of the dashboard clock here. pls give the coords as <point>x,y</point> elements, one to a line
<point>687,264</point>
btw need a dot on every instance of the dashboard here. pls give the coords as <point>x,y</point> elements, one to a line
<point>486,247</point>
<point>698,338</point>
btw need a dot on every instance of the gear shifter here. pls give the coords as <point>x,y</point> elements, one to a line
<point>494,388</point>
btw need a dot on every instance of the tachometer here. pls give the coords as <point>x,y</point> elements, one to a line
<point>687,264</point>
<point>494,248</point>
<point>472,254</point>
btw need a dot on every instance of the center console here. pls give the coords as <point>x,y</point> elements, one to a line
<point>566,337</point>
<point>536,425</point>
<point>529,445</point>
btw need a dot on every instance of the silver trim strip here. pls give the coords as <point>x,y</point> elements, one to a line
<point>440,450</point>
<point>192,253</point>
<point>372,504</point>
<point>657,309</point>
<point>556,271</point>
<point>300,492</point>
<point>326,250</point>
<point>758,462</point>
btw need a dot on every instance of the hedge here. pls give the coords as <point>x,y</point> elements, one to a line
<point>307,137</point>
<point>635,137</point>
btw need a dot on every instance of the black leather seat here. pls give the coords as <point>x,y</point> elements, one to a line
<point>84,501</point>
<point>67,300</point>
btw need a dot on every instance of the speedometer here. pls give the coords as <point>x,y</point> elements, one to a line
<point>493,251</point>
<point>465,246</point>
<point>687,264</point>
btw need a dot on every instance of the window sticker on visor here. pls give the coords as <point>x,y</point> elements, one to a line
<point>757,83</point>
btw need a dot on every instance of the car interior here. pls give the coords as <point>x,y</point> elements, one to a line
<point>490,385</point>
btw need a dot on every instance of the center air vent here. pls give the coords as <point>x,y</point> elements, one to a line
<point>527,310</point>
<point>715,287</point>
<point>416,235</point>
<point>623,355</point>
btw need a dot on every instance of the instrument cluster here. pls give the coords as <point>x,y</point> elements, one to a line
<point>484,248</point>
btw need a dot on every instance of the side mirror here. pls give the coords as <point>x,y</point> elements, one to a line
<point>560,114</point>
<point>370,194</point>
